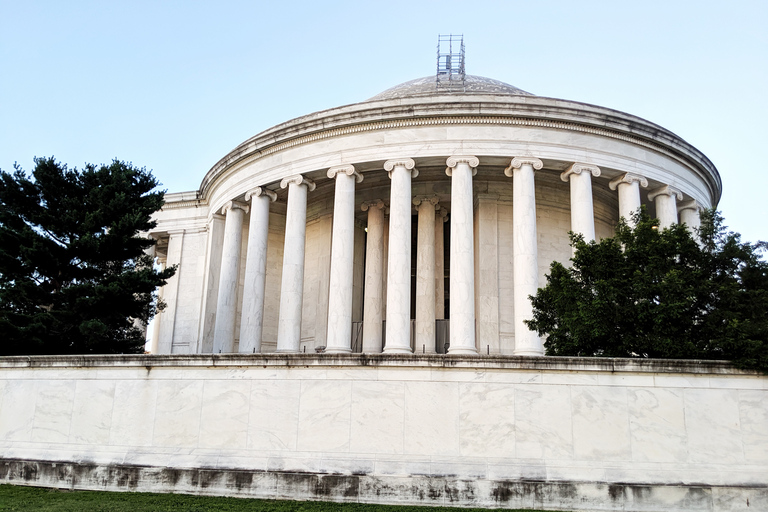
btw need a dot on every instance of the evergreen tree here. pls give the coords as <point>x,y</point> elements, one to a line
<point>659,293</point>
<point>73,270</point>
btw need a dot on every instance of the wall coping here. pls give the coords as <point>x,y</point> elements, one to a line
<point>548,363</point>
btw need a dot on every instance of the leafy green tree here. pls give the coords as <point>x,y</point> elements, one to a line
<point>659,293</point>
<point>73,270</point>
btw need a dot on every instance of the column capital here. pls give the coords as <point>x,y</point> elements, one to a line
<point>441,213</point>
<point>426,200</point>
<point>347,169</point>
<point>520,161</point>
<point>453,161</point>
<point>376,203</point>
<point>407,163</point>
<point>628,178</point>
<point>261,191</point>
<point>666,190</point>
<point>577,168</point>
<point>231,205</point>
<point>689,205</point>
<point>297,179</point>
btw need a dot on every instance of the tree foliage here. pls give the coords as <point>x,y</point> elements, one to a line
<point>73,270</point>
<point>659,293</point>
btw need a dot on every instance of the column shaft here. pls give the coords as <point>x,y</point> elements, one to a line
<point>628,186</point>
<point>525,252</point>
<point>440,218</point>
<point>292,285</point>
<point>339,339</point>
<point>424,337</point>
<point>398,331</point>
<point>690,216</point>
<point>373,300</point>
<point>462,307</point>
<point>252,319</point>
<point>582,209</point>
<point>226,304</point>
<point>666,199</point>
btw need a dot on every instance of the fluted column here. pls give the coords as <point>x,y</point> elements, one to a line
<point>339,339</point>
<point>628,186</point>
<point>399,256</point>
<point>226,307</point>
<point>252,318</point>
<point>441,216</point>
<point>582,210</point>
<point>292,285</point>
<point>462,314</point>
<point>690,215</point>
<point>666,198</point>
<point>525,252</point>
<point>424,337</point>
<point>373,300</point>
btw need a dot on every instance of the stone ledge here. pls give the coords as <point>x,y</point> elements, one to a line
<point>362,488</point>
<point>565,364</point>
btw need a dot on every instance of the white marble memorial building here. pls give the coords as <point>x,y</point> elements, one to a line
<point>413,221</point>
<point>383,233</point>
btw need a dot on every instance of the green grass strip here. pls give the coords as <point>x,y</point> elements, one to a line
<point>21,498</point>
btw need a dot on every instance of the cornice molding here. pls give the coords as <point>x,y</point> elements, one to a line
<point>250,152</point>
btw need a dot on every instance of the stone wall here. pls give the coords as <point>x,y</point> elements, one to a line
<point>557,433</point>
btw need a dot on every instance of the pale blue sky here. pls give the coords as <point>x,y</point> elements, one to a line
<point>174,86</point>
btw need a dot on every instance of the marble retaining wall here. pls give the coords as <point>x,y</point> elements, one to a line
<point>556,433</point>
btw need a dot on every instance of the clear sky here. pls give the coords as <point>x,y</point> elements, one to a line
<point>175,85</point>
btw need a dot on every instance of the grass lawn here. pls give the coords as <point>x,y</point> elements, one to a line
<point>19,498</point>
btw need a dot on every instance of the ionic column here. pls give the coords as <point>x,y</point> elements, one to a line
<point>629,194</point>
<point>690,215</point>
<point>666,198</point>
<point>582,210</point>
<point>373,300</point>
<point>424,337</point>
<point>252,318</point>
<point>441,216</point>
<point>462,314</point>
<point>226,303</point>
<point>524,251</point>
<point>339,339</point>
<point>292,285</point>
<point>399,256</point>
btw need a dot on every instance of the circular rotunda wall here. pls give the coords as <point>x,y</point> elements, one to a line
<point>622,161</point>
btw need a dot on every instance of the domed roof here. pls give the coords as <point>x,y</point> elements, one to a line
<point>427,86</point>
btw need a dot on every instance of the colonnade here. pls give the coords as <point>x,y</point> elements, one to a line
<point>397,258</point>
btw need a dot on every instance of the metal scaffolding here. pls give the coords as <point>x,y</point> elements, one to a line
<point>450,63</point>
